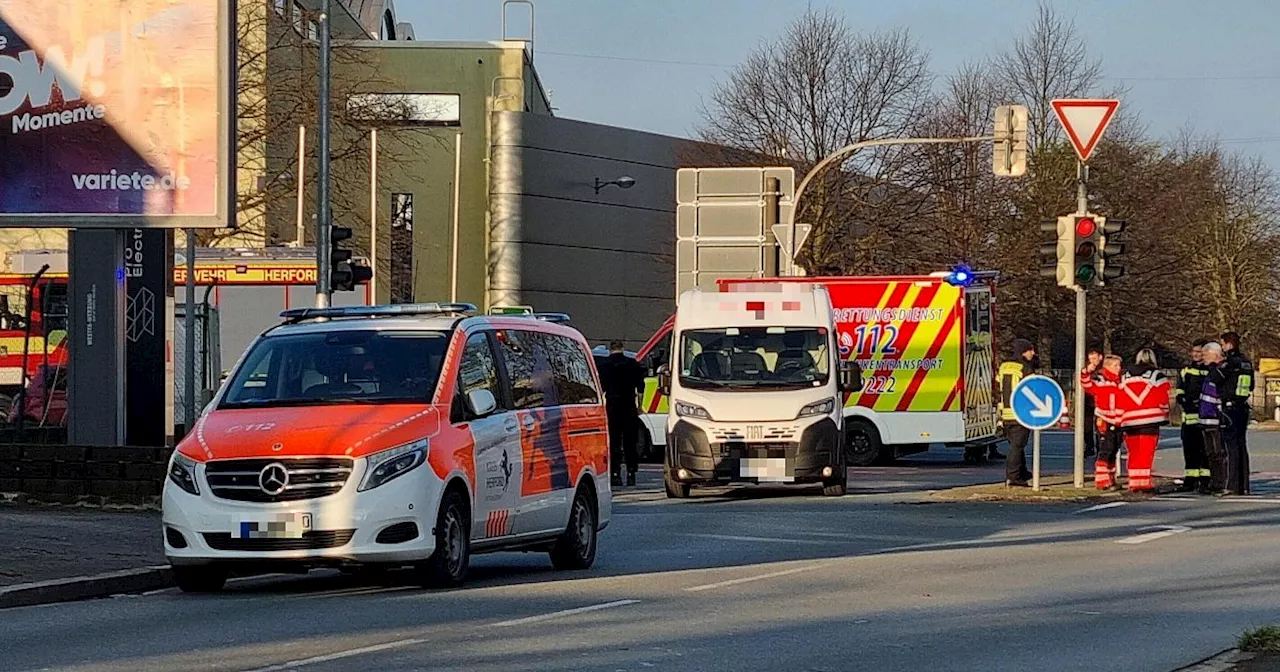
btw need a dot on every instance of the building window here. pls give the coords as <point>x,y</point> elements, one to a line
<point>313,31</point>
<point>297,18</point>
<point>280,7</point>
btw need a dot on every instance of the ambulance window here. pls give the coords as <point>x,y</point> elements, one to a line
<point>528,369</point>
<point>660,353</point>
<point>476,371</point>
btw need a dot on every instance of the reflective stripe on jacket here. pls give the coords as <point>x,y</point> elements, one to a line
<point>1143,399</point>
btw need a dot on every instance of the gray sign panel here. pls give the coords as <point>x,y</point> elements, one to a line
<point>724,223</point>
<point>96,372</point>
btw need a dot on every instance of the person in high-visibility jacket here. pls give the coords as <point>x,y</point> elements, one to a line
<point>1009,374</point>
<point>1190,380</point>
<point>1211,418</point>
<point>1101,385</point>
<point>1143,401</point>
<point>1235,408</point>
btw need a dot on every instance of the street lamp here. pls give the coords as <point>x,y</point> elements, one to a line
<point>624,182</point>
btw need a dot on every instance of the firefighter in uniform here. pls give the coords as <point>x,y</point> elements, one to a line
<point>1009,374</point>
<point>1101,386</point>
<point>1235,394</point>
<point>1187,396</point>
<point>1210,417</point>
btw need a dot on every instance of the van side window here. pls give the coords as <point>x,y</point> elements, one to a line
<point>659,354</point>
<point>529,370</point>
<point>570,369</point>
<point>476,371</point>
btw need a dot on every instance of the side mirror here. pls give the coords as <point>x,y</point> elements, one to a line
<point>481,403</point>
<point>664,380</point>
<point>850,377</point>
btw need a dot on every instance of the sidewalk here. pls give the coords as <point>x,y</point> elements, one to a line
<point>54,554</point>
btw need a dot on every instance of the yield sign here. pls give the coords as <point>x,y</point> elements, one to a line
<point>1085,120</point>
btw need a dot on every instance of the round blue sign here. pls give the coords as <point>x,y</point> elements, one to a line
<point>1037,402</point>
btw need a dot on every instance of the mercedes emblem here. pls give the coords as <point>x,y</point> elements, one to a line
<point>273,479</point>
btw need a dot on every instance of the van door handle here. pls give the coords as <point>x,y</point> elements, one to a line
<point>511,424</point>
<point>527,421</point>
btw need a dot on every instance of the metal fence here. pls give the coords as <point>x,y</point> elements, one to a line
<point>208,371</point>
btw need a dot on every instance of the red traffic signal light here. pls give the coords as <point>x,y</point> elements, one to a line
<point>1085,227</point>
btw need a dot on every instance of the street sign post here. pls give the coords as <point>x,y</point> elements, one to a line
<point>1084,121</point>
<point>1037,403</point>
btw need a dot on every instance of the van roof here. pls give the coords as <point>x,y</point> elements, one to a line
<point>424,322</point>
<point>796,306</point>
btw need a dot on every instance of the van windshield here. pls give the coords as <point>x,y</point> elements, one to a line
<point>339,367</point>
<point>754,357</point>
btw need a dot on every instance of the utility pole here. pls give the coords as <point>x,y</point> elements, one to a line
<point>324,215</point>
<point>1082,209</point>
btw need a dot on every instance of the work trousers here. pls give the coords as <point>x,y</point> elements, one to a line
<point>1233,441</point>
<point>1090,426</point>
<point>1105,466</point>
<point>1194,459</point>
<point>1141,442</point>
<point>624,429</point>
<point>1015,463</point>
<point>1216,456</point>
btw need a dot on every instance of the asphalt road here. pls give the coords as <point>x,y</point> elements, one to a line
<point>751,579</point>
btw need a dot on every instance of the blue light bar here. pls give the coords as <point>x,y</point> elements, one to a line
<point>558,318</point>
<point>960,276</point>
<point>394,310</point>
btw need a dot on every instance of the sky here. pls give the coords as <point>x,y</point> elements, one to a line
<point>1213,67</point>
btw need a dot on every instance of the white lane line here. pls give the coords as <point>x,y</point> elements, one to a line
<point>293,664</point>
<point>567,612</point>
<point>749,579</point>
<point>1100,507</point>
<point>775,540</point>
<point>1161,531</point>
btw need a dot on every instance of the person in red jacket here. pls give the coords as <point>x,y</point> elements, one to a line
<point>1143,400</point>
<point>1101,385</point>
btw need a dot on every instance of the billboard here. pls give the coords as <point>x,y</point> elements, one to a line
<point>116,113</point>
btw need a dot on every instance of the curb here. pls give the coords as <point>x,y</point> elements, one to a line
<point>86,587</point>
<point>1219,663</point>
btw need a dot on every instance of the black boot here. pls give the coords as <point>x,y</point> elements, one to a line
<point>1190,484</point>
<point>631,478</point>
<point>616,480</point>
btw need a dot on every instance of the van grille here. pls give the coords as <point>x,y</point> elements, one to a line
<point>731,434</point>
<point>308,478</point>
<point>223,541</point>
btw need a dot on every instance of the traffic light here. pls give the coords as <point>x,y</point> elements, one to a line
<point>344,274</point>
<point>1087,255</point>
<point>1057,256</point>
<point>1110,248</point>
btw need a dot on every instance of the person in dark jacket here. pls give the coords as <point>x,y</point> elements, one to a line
<point>1187,395</point>
<point>1010,373</point>
<point>1235,394</point>
<point>623,380</point>
<point>1210,413</point>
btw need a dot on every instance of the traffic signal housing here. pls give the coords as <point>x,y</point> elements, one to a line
<point>1056,260</point>
<point>1109,249</point>
<point>344,274</point>
<point>1088,245</point>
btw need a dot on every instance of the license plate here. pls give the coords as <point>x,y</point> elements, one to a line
<point>765,469</point>
<point>278,526</point>
<point>755,432</point>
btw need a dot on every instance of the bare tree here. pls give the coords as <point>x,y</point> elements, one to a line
<point>818,88</point>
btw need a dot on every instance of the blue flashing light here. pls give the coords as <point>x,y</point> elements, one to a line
<point>960,276</point>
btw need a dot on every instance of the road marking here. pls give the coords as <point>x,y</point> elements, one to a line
<point>775,540</point>
<point>566,612</point>
<point>1100,507</point>
<point>339,655</point>
<point>749,579</point>
<point>1161,531</point>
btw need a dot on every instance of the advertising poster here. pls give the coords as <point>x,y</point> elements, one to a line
<point>114,113</point>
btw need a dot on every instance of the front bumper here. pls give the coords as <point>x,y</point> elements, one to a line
<point>693,457</point>
<point>346,527</point>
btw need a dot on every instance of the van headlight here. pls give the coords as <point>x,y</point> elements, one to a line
<point>687,410</point>
<point>389,464</point>
<point>823,407</point>
<point>182,471</point>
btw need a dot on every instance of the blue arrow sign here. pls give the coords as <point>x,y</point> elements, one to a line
<point>1038,402</point>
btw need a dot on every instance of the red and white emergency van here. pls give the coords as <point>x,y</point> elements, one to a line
<point>926,348</point>
<point>393,435</point>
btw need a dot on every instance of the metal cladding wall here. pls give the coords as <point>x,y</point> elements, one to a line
<point>606,259</point>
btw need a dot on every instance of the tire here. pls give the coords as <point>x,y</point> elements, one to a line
<point>675,490</point>
<point>862,444</point>
<point>447,566</point>
<point>576,547</point>
<point>838,485</point>
<point>200,579</point>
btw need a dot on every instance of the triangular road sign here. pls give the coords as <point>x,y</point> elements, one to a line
<point>1084,121</point>
<point>783,233</point>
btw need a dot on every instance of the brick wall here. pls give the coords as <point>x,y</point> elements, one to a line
<point>71,473</point>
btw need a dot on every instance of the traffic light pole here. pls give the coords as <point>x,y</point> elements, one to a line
<point>323,212</point>
<point>1082,208</point>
